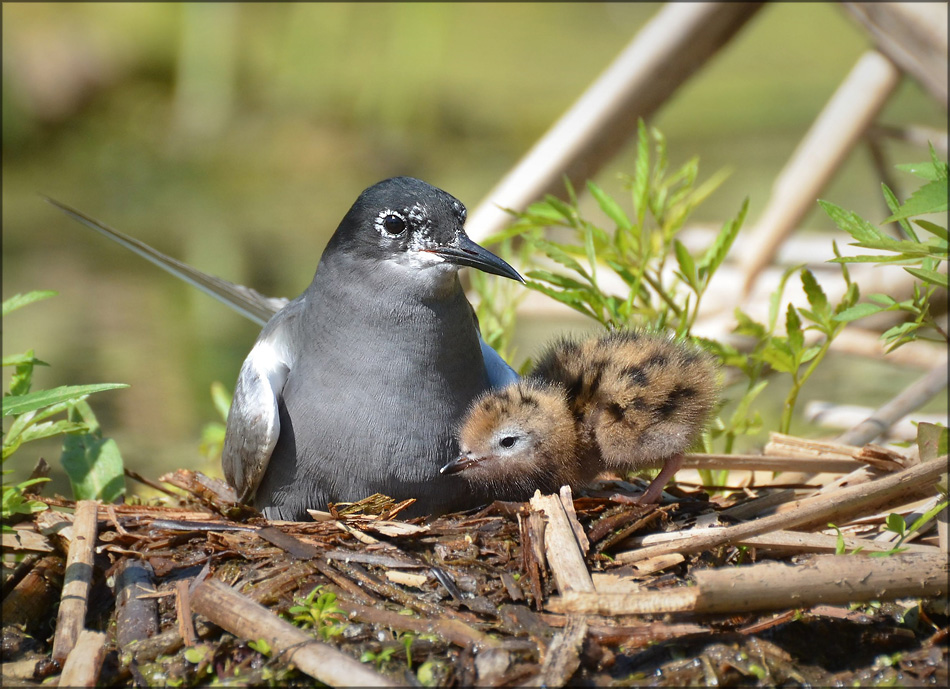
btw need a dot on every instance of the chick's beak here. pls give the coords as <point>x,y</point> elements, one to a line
<point>460,463</point>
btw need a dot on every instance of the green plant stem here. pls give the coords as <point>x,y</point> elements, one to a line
<point>799,381</point>
<point>655,284</point>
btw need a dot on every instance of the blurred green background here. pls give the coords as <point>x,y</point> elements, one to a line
<point>235,136</point>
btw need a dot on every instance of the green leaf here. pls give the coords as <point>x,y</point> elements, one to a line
<point>858,311</point>
<point>929,276</point>
<point>557,280</point>
<point>49,429</point>
<point>816,296</point>
<point>933,228</point>
<point>93,463</point>
<point>610,207</point>
<point>556,253</point>
<point>686,264</point>
<point>31,401</point>
<point>24,358</point>
<point>930,198</point>
<point>793,327</point>
<point>895,523</point>
<point>927,171</point>
<point>882,299</point>
<point>894,205</point>
<point>779,356</point>
<point>717,251</point>
<point>22,377</point>
<point>852,223</point>
<point>775,300</point>
<point>20,300</point>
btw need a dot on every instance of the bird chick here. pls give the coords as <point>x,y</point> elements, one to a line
<point>518,439</point>
<point>625,401</point>
<point>647,399</point>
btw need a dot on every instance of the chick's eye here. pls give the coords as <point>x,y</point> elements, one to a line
<point>508,441</point>
<point>394,225</point>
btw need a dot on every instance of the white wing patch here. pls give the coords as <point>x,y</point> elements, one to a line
<point>253,421</point>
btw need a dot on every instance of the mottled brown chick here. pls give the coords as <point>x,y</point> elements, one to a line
<point>625,400</point>
<point>517,440</point>
<point>645,399</point>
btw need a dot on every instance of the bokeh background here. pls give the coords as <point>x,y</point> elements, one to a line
<point>235,136</point>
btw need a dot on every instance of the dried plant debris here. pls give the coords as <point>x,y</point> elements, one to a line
<point>553,592</point>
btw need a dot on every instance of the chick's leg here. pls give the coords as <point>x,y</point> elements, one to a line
<point>655,489</point>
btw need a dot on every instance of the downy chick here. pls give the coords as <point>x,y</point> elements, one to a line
<point>648,399</point>
<point>519,439</point>
<point>627,399</point>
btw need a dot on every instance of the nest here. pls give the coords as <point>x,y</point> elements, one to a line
<point>742,588</point>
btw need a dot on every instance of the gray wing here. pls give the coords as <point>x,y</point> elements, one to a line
<point>244,300</point>
<point>499,373</point>
<point>253,421</point>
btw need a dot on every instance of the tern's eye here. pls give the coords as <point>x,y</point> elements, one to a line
<point>393,224</point>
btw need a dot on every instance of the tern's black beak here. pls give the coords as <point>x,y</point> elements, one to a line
<point>460,463</point>
<point>468,253</point>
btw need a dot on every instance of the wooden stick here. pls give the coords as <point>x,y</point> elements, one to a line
<point>785,541</point>
<point>914,35</point>
<point>563,655</point>
<point>136,617</point>
<point>664,54</point>
<point>186,625</point>
<point>249,620</point>
<point>560,545</point>
<point>31,600</point>
<point>821,509</point>
<point>915,395</point>
<point>776,585</point>
<point>452,630</point>
<point>762,463</point>
<point>825,147</point>
<point>84,662</point>
<point>78,579</point>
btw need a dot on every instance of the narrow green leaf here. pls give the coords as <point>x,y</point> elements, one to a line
<point>933,228</point>
<point>20,300</point>
<point>716,253</point>
<point>556,279</point>
<point>686,264</point>
<point>31,401</point>
<point>882,299</point>
<point>556,253</point>
<point>52,428</point>
<point>609,206</point>
<point>852,223</point>
<point>894,205</point>
<point>858,311</point>
<point>793,327</point>
<point>929,276</point>
<point>24,358</point>
<point>775,300</point>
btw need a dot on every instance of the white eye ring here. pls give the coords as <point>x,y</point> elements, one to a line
<point>389,223</point>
